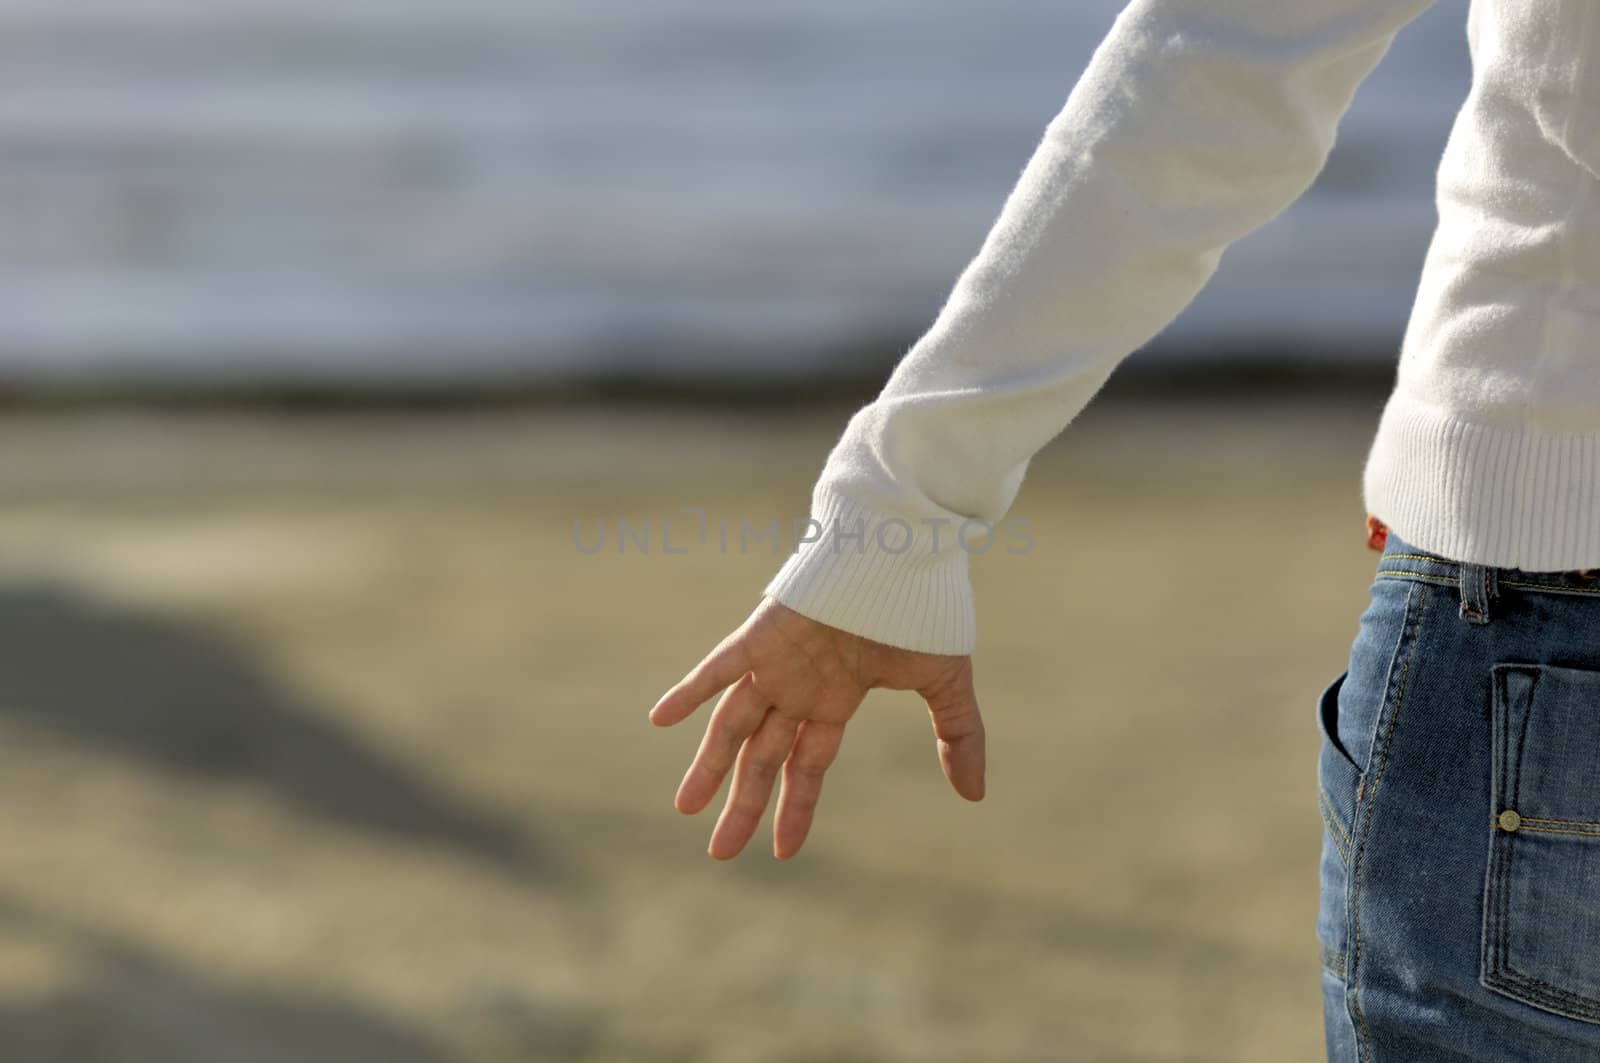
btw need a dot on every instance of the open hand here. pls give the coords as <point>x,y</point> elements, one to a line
<point>791,684</point>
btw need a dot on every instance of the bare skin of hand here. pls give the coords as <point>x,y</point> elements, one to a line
<point>790,684</point>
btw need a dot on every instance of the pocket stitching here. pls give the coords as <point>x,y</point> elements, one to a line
<point>1538,826</point>
<point>1410,638</point>
<point>1498,975</point>
<point>1511,982</point>
<point>1331,821</point>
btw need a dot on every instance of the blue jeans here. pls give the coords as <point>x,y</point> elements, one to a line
<point>1459,781</point>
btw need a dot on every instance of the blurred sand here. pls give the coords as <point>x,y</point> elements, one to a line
<point>319,740</point>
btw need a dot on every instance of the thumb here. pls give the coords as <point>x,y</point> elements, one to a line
<point>958,726</point>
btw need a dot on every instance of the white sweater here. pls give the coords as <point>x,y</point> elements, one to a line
<point>1196,122</point>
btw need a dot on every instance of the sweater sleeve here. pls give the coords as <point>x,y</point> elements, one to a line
<point>1195,122</point>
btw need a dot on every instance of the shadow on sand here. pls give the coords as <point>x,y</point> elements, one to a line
<point>138,1007</point>
<point>182,697</point>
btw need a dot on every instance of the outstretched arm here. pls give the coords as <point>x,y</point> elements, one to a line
<point>1196,122</point>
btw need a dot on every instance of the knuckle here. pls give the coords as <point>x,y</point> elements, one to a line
<point>809,771</point>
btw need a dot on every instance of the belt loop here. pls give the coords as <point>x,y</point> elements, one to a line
<point>1478,587</point>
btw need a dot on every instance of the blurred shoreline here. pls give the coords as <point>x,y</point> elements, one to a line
<point>1149,375</point>
<point>363,190</point>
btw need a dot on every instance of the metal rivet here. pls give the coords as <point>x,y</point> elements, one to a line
<point>1508,820</point>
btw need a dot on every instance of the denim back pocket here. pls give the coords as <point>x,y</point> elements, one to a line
<point>1541,906</point>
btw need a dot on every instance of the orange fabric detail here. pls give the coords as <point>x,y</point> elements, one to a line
<point>1377,533</point>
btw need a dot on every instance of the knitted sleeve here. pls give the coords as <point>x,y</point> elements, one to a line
<point>1195,122</point>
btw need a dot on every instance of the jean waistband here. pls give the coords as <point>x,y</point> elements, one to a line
<point>1401,560</point>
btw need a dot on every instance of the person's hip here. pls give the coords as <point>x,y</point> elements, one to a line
<point>1459,782</point>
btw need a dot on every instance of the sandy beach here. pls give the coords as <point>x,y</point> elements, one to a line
<point>321,740</point>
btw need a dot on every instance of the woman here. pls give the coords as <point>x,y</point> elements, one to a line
<point>1460,767</point>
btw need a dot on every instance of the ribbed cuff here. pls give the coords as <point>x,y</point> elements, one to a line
<point>890,579</point>
<point>1508,497</point>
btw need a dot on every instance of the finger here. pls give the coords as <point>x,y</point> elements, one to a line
<point>735,719</point>
<point>814,749</point>
<point>753,776</point>
<point>958,726</point>
<point>721,667</point>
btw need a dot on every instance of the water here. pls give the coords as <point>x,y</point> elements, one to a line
<point>291,189</point>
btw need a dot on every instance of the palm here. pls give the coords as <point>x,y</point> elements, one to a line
<point>790,685</point>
